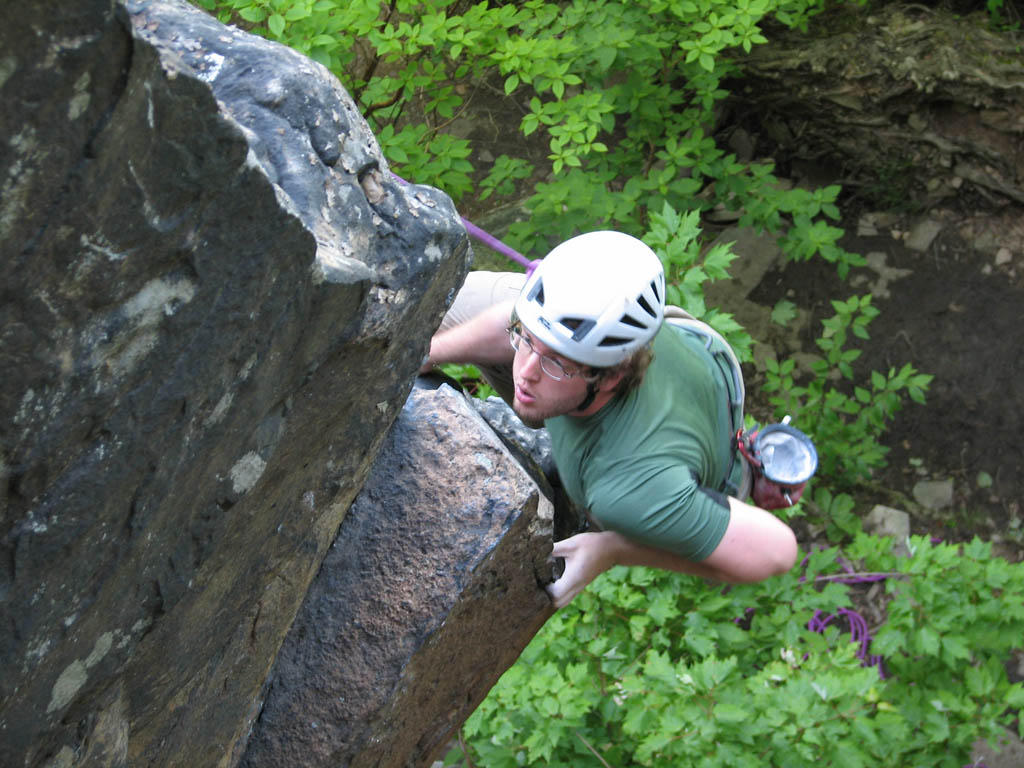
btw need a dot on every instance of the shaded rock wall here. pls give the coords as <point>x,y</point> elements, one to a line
<point>204,266</point>
<point>917,104</point>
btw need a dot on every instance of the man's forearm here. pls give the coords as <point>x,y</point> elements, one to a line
<point>481,340</point>
<point>621,550</point>
<point>756,546</point>
<point>588,555</point>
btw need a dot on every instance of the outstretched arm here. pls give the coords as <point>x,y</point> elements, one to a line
<point>756,545</point>
<point>482,340</point>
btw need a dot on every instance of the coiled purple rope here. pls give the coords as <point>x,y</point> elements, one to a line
<point>492,242</point>
<point>859,632</point>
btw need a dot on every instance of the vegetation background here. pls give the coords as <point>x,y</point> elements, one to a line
<point>621,105</point>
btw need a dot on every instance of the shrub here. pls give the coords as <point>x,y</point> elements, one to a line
<point>649,668</point>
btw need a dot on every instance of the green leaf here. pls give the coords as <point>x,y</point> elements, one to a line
<point>956,646</point>
<point>783,312</point>
<point>1015,696</point>
<point>276,24</point>
<point>725,712</point>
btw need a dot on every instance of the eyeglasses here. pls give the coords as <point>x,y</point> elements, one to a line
<point>551,367</point>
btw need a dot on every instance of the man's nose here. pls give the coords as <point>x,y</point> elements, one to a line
<point>530,368</point>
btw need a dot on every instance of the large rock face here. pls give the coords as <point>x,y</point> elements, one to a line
<point>431,590</point>
<point>204,263</point>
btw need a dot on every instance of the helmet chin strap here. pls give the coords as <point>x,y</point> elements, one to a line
<point>592,390</point>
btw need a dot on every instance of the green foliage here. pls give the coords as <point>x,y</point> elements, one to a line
<point>675,238</point>
<point>649,668</point>
<point>783,312</point>
<point>503,176</point>
<point>1003,16</point>
<point>837,511</point>
<point>469,377</point>
<point>623,92</point>
<point>846,418</point>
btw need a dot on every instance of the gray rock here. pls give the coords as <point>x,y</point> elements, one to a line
<point>431,590</point>
<point>204,268</point>
<point>887,521</point>
<point>922,235</point>
<point>536,443</point>
<point>879,286</point>
<point>934,494</point>
<point>532,449</point>
<point>1008,753</point>
<point>866,227</point>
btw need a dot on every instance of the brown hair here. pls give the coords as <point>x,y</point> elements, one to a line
<point>632,370</point>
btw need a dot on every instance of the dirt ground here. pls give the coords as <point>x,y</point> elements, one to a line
<point>954,311</point>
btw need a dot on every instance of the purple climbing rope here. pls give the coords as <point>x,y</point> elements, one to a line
<point>492,242</point>
<point>859,631</point>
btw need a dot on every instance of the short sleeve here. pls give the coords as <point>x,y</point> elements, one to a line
<point>666,508</point>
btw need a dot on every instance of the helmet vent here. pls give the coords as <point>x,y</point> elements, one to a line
<point>628,320</point>
<point>654,288</point>
<point>537,293</point>
<point>613,341</point>
<point>647,307</point>
<point>578,326</point>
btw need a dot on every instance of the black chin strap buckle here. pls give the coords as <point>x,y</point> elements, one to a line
<point>592,390</point>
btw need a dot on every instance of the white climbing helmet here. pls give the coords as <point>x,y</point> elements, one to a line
<point>596,299</point>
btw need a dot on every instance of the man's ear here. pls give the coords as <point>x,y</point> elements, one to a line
<point>610,380</point>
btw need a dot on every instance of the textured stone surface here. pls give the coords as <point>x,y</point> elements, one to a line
<point>204,265</point>
<point>431,590</point>
<point>536,443</point>
<point>934,494</point>
<point>532,449</point>
<point>886,521</point>
<point>918,104</point>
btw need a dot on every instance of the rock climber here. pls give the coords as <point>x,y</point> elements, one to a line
<point>642,402</point>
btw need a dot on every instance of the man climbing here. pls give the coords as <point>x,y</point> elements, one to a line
<point>642,404</point>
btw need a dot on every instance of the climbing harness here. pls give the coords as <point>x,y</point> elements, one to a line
<point>728,367</point>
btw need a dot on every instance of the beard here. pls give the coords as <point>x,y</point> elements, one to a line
<point>533,410</point>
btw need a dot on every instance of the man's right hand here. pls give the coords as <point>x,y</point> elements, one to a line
<point>586,556</point>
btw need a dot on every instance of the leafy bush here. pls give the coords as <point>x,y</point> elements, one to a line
<point>649,668</point>
<point>470,378</point>
<point>845,424</point>
<point>623,92</point>
<point>675,238</point>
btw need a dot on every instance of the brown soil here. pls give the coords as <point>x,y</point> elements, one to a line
<point>956,316</point>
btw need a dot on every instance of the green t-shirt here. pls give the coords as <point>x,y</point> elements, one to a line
<point>653,465</point>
